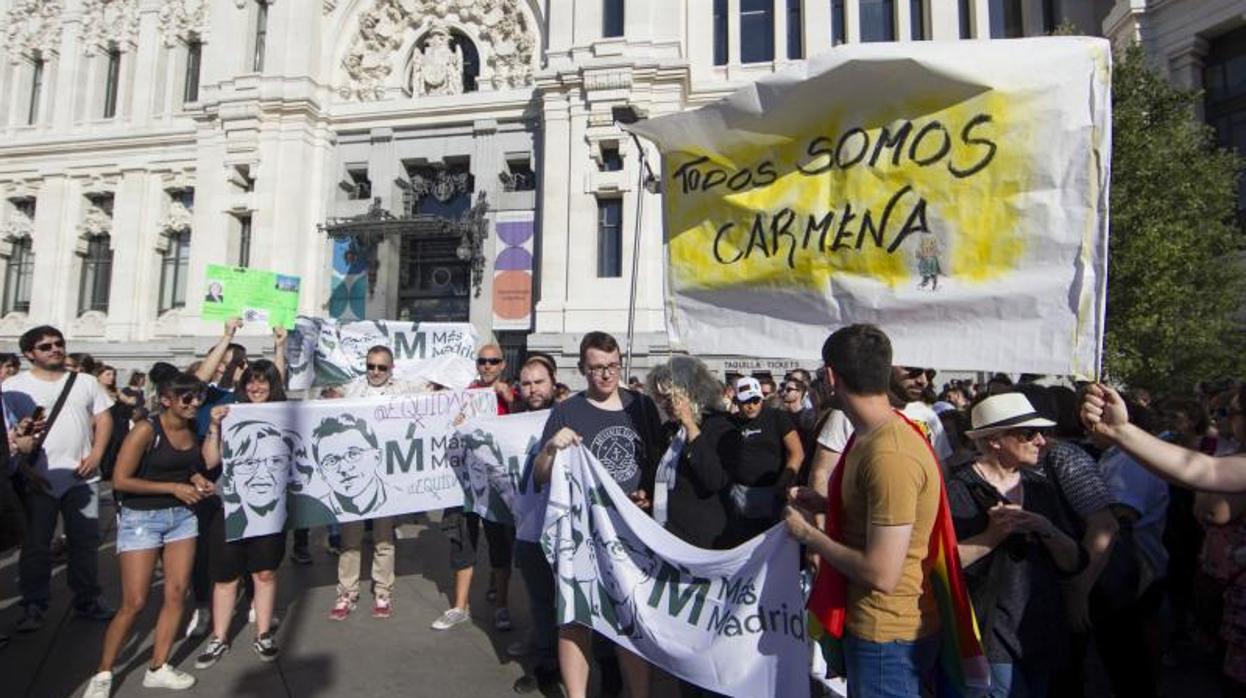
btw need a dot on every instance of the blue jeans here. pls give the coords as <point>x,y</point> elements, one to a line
<point>1018,681</point>
<point>889,669</point>
<point>80,509</point>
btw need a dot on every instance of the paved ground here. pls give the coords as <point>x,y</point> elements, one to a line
<point>359,657</point>
<point>324,659</point>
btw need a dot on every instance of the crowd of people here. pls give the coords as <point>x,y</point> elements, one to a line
<point>1084,518</point>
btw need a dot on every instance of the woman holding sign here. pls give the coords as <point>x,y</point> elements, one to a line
<point>260,556</point>
<point>157,481</point>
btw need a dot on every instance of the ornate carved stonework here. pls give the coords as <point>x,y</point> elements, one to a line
<point>95,221</point>
<point>33,26</point>
<point>177,220</point>
<point>180,19</point>
<point>443,186</point>
<point>17,227</point>
<point>108,22</point>
<point>507,41</point>
<point>436,69</point>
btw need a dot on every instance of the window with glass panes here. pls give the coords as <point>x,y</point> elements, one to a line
<point>609,237</point>
<point>19,276</point>
<point>96,275</point>
<point>756,31</point>
<point>878,20</point>
<point>174,269</point>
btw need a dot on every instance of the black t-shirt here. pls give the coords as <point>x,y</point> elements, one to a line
<point>757,448</point>
<point>697,509</point>
<point>625,441</point>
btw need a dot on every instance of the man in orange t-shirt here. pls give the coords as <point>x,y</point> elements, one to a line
<point>890,497</point>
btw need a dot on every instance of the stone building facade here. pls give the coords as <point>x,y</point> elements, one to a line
<point>349,142</point>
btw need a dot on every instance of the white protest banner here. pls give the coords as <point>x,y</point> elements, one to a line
<point>323,351</point>
<point>953,193</point>
<point>494,452</point>
<point>731,621</point>
<point>333,461</point>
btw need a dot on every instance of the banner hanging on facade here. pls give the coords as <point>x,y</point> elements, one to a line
<point>333,461</point>
<point>945,191</point>
<point>323,351</point>
<point>731,621</point>
<point>495,450</point>
<point>512,271</point>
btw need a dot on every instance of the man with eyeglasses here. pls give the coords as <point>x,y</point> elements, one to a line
<point>352,474</point>
<point>62,478</point>
<point>765,459</point>
<point>622,429</point>
<point>462,528</point>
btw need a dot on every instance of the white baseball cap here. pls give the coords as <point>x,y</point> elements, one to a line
<point>747,388</point>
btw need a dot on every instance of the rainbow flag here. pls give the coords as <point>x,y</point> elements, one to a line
<point>962,664</point>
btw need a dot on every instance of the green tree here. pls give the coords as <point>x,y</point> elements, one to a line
<point>1175,275</point>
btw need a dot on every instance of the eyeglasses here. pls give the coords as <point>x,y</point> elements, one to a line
<point>489,361</point>
<point>1027,435</point>
<point>248,467</point>
<point>188,399</point>
<point>603,371</point>
<point>353,455</point>
<point>380,368</point>
<point>49,346</point>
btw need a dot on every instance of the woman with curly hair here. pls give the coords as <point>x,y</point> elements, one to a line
<point>690,497</point>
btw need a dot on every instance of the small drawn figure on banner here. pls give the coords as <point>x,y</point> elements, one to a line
<point>928,262</point>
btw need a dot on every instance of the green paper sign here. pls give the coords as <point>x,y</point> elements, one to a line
<point>251,294</point>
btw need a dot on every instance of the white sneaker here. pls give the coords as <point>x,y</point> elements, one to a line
<point>100,686</point>
<point>200,622</point>
<point>168,677</point>
<point>451,618</point>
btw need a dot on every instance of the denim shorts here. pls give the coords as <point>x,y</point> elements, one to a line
<point>139,529</point>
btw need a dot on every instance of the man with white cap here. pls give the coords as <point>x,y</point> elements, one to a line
<point>1015,545</point>
<point>766,455</point>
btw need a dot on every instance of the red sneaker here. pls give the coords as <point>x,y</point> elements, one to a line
<point>345,604</point>
<point>381,608</point>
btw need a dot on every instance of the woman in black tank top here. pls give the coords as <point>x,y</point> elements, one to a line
<point>157,479</point>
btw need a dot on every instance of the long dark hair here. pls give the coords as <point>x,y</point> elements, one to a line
<point>264,370</point>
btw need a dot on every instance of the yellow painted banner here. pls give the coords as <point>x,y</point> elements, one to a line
<point>954,193</point>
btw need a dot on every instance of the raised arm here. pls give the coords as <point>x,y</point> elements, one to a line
<point>1104,413</point>
<point>212,442</point>
<point>280,337</point>
<point>207,368</point>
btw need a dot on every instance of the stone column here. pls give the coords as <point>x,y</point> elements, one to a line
<point>554,236</point>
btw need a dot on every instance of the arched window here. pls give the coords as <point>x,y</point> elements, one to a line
<point>471,59</point>
<point>19,277</point>
<point>96,275</point>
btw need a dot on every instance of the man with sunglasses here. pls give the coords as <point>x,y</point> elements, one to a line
<point>463,528</point>
<point>62,478</point>
<point>765,459</point>
<point>357,478</point>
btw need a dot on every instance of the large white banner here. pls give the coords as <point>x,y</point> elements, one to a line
<point>495,450</point>
<point>333,461</point>
<point>323,351</point>
<point>953,193</point>
<point>730,621</point>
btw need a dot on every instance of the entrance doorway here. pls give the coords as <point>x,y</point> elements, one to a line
<point>434,285</point>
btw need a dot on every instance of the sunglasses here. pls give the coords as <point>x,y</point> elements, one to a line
<point>489,361</point>
<point>49,346</point>
<point>791,389</point>
<point>380,368</point>
<point>914,372</point>
<point>188,399</point>
<point>750,401</point>
<point>1027,435</point>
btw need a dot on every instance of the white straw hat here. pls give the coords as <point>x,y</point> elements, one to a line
<point>1004,411</point>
